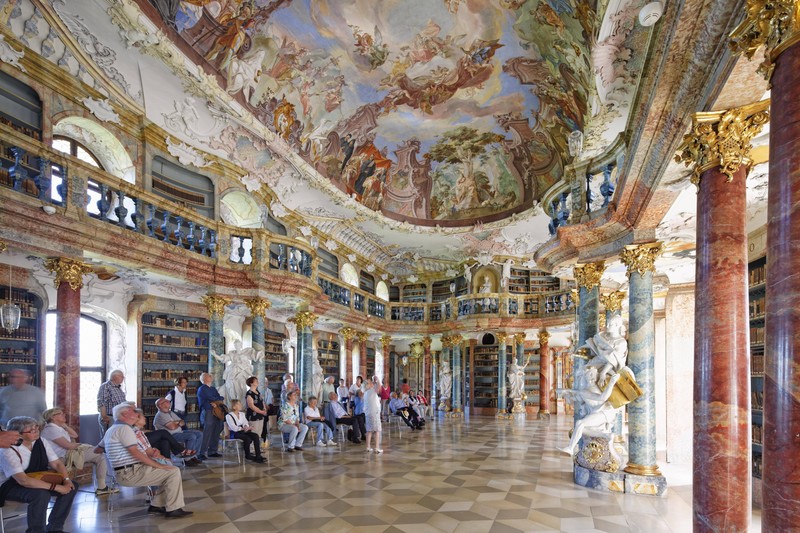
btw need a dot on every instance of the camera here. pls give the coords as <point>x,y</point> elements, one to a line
<point>19,442</point>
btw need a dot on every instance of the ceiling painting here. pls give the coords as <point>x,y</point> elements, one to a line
<point>432,112</point>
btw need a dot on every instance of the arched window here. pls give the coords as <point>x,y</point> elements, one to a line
<point>76,149</point>
<point>382,291</point>
<point>349,274</point>
<point>92,359</point>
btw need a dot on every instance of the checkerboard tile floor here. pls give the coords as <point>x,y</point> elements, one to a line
<point>472,475</point>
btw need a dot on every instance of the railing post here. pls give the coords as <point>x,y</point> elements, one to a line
<point>103,205</point>
<point>120,210</point>
<point>190,236</point>
<point>178,233</point>
<point>151,210</point>
<point>137,216</point>
<point>165,227</point>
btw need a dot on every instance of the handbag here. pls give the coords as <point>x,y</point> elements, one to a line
<point>219,409</point>
<point>48,476</point>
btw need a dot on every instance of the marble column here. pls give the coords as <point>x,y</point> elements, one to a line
<point>640,261</point>
<point>544,375</point>
<point>386,341</point>
<point>67,386</point>
<point>781,453</point>
<point>348,334</point>
<point>434,380</point>
<point>216,340</point>
<point>458,372</point>
<point>444,405</point>
<point>718,145</point>
<point>502,400</point>
<point>362,337</point>
<point>588,279</point>
<point>304,320</point>
<point>258,311</point>
<point>427,384</point>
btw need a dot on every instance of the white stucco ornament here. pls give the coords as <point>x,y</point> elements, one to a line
<point>352,257</point>
<point>370,268</point>
<point>384,276</point>
<point>277,209</point>
<point>331,245</point>
<point>102,110</point>
<point>186,154</point>
<point>9,55</point>
<point>412,279</point>
<point>305,230</point>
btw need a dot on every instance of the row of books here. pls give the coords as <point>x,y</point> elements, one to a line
<point>758,434</point>
<point>757,307</point>
<point>173,356</point>
<point>757,364</point>
<point>757,335</point>
<point>757,275</point>
<point>757,400</point>
<point>174,340</point>
<point>150,374</point>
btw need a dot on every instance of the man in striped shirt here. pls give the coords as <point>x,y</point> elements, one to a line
<point>109,396</point>
<point>133,468</point>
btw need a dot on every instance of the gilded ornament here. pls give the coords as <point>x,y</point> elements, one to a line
<point>348,333</point>
<point>417,350</point>
<point>67,270</point>
<point>258,306</point>
<point>722,139</point>
<point>601,321</point>
<point>544,337</point>
<point>362,336</point>
<point>446,341</point>
<point>501,337</point>
<point>519,338</point>
<point>588,275</point>
<point>612,301</point>
<point>386,340</point>
<point>773,24</point>
<point>426,342</point>
<point>3,247</point>
<point>215,304</point>
<point>304,319</point>
<point>641,258</point>
<point>456,340</point>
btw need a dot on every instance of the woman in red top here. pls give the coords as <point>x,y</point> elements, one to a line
<point>385,394</point>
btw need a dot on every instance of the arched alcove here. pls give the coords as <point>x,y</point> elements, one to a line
<point>103,144</point>
<point>382,290</point>
<point>239,209</point>
<point>349,274</point>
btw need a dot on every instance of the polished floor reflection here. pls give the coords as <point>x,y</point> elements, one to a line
<point>474,475</point>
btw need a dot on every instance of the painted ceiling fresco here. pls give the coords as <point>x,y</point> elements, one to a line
<point>438,112</point>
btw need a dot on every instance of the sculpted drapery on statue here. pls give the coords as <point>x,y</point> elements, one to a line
<point>516,380</point>
<point>445,382</point>
<point>317,375</point>
<point>238,367</point>
<point>610,348</point>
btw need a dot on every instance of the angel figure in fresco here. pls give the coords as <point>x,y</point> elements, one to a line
<point>283,119</point>
<point>229,43</point>
<point>371,47</point>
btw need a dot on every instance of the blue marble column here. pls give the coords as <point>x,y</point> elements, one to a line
<point>216,341</point>
<point>613,306</point>
<point>519,339</point>
<point>641,359</point>
<point>304,321</point>
<point>443,406</point>
<point>458,382</point>
<point>258,309</point>
<point>502,400</point>
<point>588,280</point>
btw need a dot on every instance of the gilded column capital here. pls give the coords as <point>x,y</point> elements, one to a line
<point>426,343</point>
<point>722,138</point>
<point>588,275</point>
<point>446,341</point>
<point>502,337</point>
<point>303,320</point>
<point>519,338</point>
<point>773,24</point>
<point>455,340</point>
<point>215,304</point>
<point>362,336</point>
<point>544,337</point>
<point>348,333</point>
<point>258,306</point>
<point>68,270</point>
<point>612,301</point>
<point>386,340</point>
<point>641,258</point>
<point>3,247</point>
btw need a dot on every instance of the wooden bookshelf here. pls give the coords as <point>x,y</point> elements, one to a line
<point>22,348</point>
<point>328,353</point>
<point>757,275</point>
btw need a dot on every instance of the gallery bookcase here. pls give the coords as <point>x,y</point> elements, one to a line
<point>22,348</point>
<point>532,375</point>
<point>172,346</point>
<point>483,377</point>
<point>328,353</point>
<point>757,272</point>
<point>275,362</point>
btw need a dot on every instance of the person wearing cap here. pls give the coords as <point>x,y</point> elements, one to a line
<point>327,388</point>
<point>168,420</point>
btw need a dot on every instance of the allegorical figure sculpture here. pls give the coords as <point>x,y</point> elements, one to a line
<point>516,380</point>
<point>445,384</point>
<point>238,367</point>
<point>317,376</point>
<point>610,348</point>
<point>600,414</point>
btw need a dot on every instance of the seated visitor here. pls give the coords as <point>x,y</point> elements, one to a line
<point>414,403</point>
<point>171,422</point>
<point>290,423</point>
<point>74,455</point>
<point>398,407</point>
<point>336,415</point>
<point>35,454</point>
<point>241,429</point>
<point>134,468</point>
<point>161,440</point>
<point>317,421</point>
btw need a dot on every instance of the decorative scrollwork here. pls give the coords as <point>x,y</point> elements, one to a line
<point>544,337</point>
<point>216,304</point>
<point>641,258</point>
<point>502,337</point>
<point>612,301</point>
<point>774,24</point>
<point>386,340</point>
<point>519,338</point>
<point>362,336</point>
<point>347,332</point>
<point>258,306</point>
<point>68,270</point>
<point>303,320</point>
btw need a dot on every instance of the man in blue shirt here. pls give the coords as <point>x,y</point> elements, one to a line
<point>212,426</point>
<point>336,415</point>
<point>358,412</point>
<point>399,407</point>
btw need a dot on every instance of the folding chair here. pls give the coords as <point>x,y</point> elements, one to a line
<point>228,442</point>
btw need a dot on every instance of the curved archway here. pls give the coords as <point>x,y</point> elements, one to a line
<point>349,274</point>
<point>239,209</point>
<point>103,144</point>
<point>382,290</point>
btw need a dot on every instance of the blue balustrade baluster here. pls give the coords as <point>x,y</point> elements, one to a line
<point>212,244</point>
<point>137,217</point>
<point>18,173</point>
<point>240,250</point>
<point>42,180</point>
<point>589,193</point>
<point>121,211</point>
<point>62,187</point>
<point>151,211</point>
<point>607,188</point>
<point>190,236</point>
<point>178,232</point>
<point>201,243</point>
<point>563,213</point>
<point>554,222</point>
<point>165,227</point>
<point>103,205</point>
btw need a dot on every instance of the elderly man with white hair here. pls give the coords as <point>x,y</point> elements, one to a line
<point>134,468</point>
<point>169,421</point>
<point>109,396</point>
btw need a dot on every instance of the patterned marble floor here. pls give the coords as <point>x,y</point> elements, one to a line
<point>473,475</point>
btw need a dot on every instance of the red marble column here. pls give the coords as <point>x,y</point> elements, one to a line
<point>362,355</point>
<point>386,341</point>
<point>427,386</point>
<point>348,353</point>
<point>722,482</point>
<point>781,453</point>
<point>544,375</point>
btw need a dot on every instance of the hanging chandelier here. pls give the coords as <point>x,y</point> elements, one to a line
<point>10,313</point>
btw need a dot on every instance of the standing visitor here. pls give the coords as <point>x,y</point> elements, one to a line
<point>109,395</point>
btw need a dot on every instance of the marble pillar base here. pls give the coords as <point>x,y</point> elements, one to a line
<point>619,482</point>
<point>503,414</point>
<point>445,405</point>
<point>519,406</point>
<point>650,485</point>
<point>543,415</point>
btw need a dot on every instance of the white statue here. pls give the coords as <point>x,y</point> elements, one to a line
<point>468,277</point>
<point>600,414</point>
<point>610,348</point>
<point>317,376</point>
<point>506,272</point>
<point>486,287</point>
<point>445,382</point>
<point>516,380</point>
<point>238,367</point>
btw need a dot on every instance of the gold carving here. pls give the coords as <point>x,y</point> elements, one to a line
<point>642,470</point>
<point>385,340</point>
<point>456,340</point>
<point>67,270</point>
<point>426,342</point>
<point>502,337</point>
<point>258,306</point>
<point>588,275</point>
<point>616,486</point>
<point>544,337</point>
<point>304,319</point>
<point>362,336</point>
<point>601,321</point>
<point>612,301</point>
<point>519,338</point>
<point>774,24</point>
<point>3,247</point>
<point>215,304</point>
<point>446,342</point>
<point>641,258</point>
<point>722,138</point>
<point>348,333</point>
